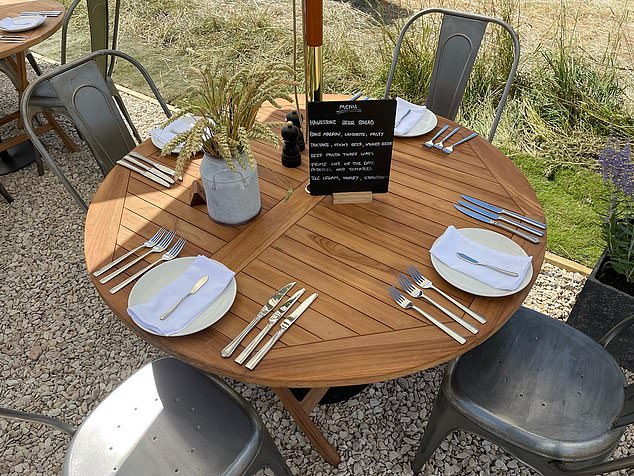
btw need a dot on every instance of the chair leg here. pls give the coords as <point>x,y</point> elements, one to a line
<point>34,65</point>
<point>5,193</point>
<point>270,456</point>
<point>443,420</point>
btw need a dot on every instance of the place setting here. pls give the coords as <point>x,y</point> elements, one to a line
<point>20,23</point>
<point>412,120</point>
<point>182,296</point>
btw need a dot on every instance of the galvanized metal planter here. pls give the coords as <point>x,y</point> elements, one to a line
<point>233,197</point>
<point>600,307</point>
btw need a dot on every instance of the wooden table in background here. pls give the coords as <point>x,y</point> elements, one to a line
<point>353,333</point>
<point>13,56</point>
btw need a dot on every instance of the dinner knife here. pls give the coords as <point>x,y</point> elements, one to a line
<point>152,170</point>
<point>286,323</point>
<point>277,315</point>
<point>44,13</point>
<point>484,219</point>
<point>163,168</point>
<point>268,307</point>
<point>496,216</point>
<point>501,210</point>
<point>152,177</point>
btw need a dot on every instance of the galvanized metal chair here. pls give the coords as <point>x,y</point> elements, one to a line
<point>547,393</point>
<point>82,93</point>
<point>458,45</point>
<point>168,418</point>
<point>104,30</point>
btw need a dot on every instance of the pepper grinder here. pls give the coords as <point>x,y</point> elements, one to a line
<point>293,116</point>
<point>291,156</point>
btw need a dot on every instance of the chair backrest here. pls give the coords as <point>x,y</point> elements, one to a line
<point>89,103</point>
<point>99,23</point>
<point>87,99</point>
<point>458,45</point>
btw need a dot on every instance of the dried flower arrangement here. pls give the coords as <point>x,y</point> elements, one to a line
<point>225,106</point>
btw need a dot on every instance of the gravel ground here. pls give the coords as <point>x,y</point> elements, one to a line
<point>62,351</point>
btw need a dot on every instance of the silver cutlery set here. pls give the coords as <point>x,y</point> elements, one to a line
<point>494,215</point>
<point>13,38</point>
<point>275,317</point>
<point>157,244</point>
<point>416,290</point>
<point>150,169</point>
<point>440,145</point>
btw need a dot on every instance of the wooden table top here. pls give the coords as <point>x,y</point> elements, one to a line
<point>353,333</point>
<point>12,8</point>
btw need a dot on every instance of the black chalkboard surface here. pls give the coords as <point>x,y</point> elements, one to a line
<point>350,145</point>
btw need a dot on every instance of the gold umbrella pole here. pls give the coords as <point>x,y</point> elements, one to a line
<point>313,40</point>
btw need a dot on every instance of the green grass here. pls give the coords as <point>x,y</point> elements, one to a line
<point>572,89</point>
<point>572,202</point>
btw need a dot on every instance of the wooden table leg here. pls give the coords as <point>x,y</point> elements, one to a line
<point>300,411</point>
<point>20,74</point>
<point>19,65</point>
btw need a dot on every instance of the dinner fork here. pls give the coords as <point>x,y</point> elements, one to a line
<point>415,292</point>
<point>449,149</point>
<point>439,145</point>
<point>170,255</point>
<point>430,142</point>
<point>425,283</point>
<point>158,248</point>
<point>407,304</point>
<point>148,244</point>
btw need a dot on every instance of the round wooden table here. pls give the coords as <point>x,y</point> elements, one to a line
<point>354,332</point>
<point>17,152</point>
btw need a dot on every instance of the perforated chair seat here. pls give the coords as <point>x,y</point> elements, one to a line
<point>509,383</point>
<point>168,418</point>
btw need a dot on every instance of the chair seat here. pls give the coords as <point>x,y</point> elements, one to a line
<point>167,418</point>
<point>542,386</point>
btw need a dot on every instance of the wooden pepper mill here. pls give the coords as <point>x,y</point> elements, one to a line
<point>293,116</point>
<point>291,156</point>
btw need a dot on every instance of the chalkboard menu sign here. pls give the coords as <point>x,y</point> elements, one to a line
<point>350,145</point>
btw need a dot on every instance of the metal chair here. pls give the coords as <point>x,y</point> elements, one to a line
<point>168,418</point>
<point>101,38</point>
<point>458,45</point>
<point>5,193</point>
<point>547,393</point>
<point>82,93</point>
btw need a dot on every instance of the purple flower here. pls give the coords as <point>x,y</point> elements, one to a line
<point>617,168</point>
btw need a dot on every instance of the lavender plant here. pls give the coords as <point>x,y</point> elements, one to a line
<point>617,168</point>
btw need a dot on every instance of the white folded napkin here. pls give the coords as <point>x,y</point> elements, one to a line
<point>453,241</point>
<point>147,315</point>
<point>407,116</point>
<point>180,125</point>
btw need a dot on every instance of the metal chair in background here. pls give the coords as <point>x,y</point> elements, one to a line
<point>547,393</point>
<point>458,45</point>
<point>168,418</point>
<point>103,36</point>
<point>82,93</point>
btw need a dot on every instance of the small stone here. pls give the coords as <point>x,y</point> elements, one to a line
<point>34,352</point>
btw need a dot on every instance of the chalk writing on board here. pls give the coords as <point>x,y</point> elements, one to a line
<point>350,145</point>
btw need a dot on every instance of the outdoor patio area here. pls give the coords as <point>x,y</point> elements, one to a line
<point>62,351</point>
